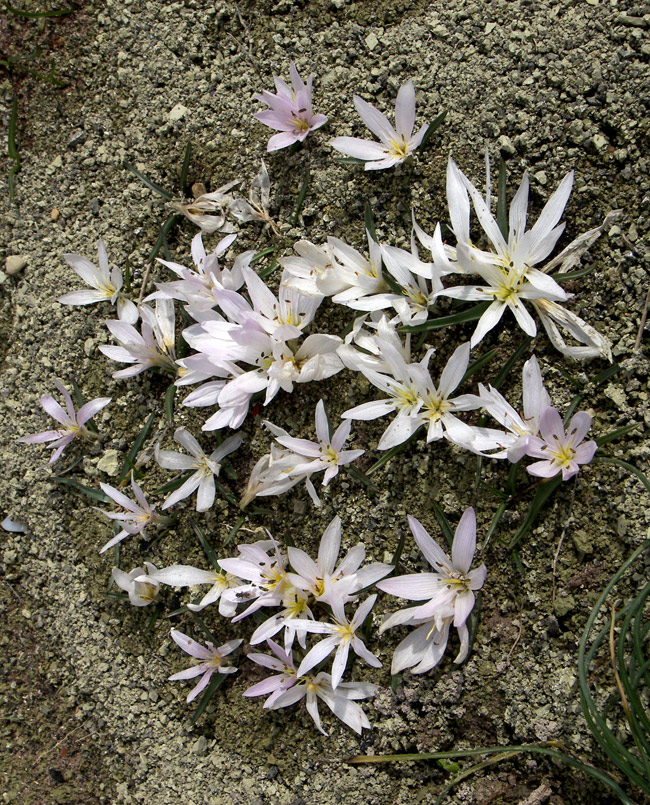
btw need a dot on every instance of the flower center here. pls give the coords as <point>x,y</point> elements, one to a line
<point>399,148</point>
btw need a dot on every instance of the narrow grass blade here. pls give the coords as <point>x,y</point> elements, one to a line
<point>512,360</point>
<point>447,530</point>
<point>616,434</point>
<point>391,453</point>
<point>187,156</point>
<point>473,314</point>
<point>507,750</point>
<point>262,253</point>
<point>149,183</point>
<point>360,476</point>
<point>215,683</point>
<point>618,462</point>
<point>212,556</point>
<point>135,449</point>
<point>369,220</point>
<point>233,531</point>
<point>479,363</point>
<point>432,129</point>
<point>574,275</point>
<point>170,394</point>
<point>350,161</point>
<point>544,491</point>
<point>300,200</point>
<point>95,494</point>
<point>36,15</point>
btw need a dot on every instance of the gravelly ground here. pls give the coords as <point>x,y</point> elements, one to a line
<point>553,86</point>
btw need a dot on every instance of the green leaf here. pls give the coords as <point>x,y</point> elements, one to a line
<point>131,456</point>
<point>215,683</point>
<point>392,452</point>
<point>233,531</point>
<point>512,360</point>
<point>473,314</point>
<point>351,161</point>
<point>431,130</point>
<point>169,402</point>
<point>262,253</point>
<point>266,272</point>
<point>360,476</point>
<point>616,434</point>
<point>35,15</point>
<point>447,530</point>
<point>212,556</point>
<point>574,275</point>
<point>479,363</point>
<point>502,200</point>
<point>369,220</point>
<point>300,200</point>
<point>543,749</point>
<point>187,156</point>
<point>149,183</point>
<point>95,494</point>
<point>161,240</point>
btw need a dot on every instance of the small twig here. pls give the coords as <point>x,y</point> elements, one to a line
<point>251,58</point>
<point>58,743</point>
<point>644,316</point>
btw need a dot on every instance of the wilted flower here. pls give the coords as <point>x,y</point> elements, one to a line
<point>205,467</point>
<point>291,111</point>
<point>141,586</point>
<point>397,144</point>
<point>207,210</point>
<point>560,451</point>
<point>107,285</point>
<point>210,661</point>
<point>257,206</point>
<point>73,421</point>
<point>449,596</point>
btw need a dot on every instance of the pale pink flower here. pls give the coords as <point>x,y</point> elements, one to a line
<point>397,144</point>
<point>141,587</point>
<point>284,678</point>
<point>73,422</point>
<point>209,658</point>
<point>560,451</point>
<point>135,517</point>
<point>290,111</point>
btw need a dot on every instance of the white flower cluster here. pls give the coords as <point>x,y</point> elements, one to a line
<point>249,343</point>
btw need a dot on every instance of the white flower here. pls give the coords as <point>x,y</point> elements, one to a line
<point>310,457</point>
<point>340,701</point>
<point>397,144</point>
<point>257,206</point>
<point>328,580</point>
<point>107,285</point>
<point>509,269</point>
<point>73,422</point>
<point>342,637</point>
<point>205,467</point>
<point>135,517</point>
<point>188,576</point>
<point>535,400</point>
<point>141,586</point>
<point>153,347</point>
<point>560,451</point>
<point>210,661</point>
<point>449,596</point>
